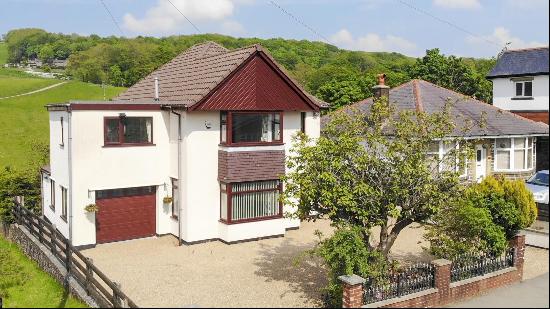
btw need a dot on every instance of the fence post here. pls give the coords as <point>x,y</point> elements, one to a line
<point>116,296</point>
<point>518,243</point>
<point>89,275</point>
<point>40,227</point>
<point>442,269</point>
<point>68,257</point>
<point>352,291</point>
<point>52,239</point>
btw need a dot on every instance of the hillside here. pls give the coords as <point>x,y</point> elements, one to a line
<point>24,122</point>
<point>335,75</point>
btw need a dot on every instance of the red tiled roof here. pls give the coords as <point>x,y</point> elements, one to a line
<point>193,74</point>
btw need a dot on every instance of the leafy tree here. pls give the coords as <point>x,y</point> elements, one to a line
<point>453,73</point>
<point>46,54</point>
<point>371,169</point>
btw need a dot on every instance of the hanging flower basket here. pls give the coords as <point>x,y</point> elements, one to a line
<point>167,200</point>
<point>91,208</point>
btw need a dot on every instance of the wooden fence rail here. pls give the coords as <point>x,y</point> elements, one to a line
<point>79,267</point>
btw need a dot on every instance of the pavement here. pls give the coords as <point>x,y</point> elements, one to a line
<point>537,235</point>
<point>532,293</point>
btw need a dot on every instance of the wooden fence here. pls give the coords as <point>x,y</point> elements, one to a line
<point>96,283</point>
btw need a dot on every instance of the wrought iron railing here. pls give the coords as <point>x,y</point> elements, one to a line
<point>416,278</point>
<point>474,265</point>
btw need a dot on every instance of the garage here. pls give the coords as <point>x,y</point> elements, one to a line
<point>125,213</point>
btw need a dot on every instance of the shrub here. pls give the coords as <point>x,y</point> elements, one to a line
<point>345,253</point>
<point>18,182</point>
<point>517,192</point>
<point>464,228</point>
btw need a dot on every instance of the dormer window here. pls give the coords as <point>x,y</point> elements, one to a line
<point>524,88</point>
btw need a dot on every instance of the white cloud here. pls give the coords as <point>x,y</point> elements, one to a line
<point>373,42</point>
<point>458,4</point>
<point>502,36</point>
<point>164,18</point>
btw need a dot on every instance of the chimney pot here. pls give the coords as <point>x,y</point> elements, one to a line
<point>381,90</point>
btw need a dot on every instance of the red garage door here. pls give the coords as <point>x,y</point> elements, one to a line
<point>125,214</point>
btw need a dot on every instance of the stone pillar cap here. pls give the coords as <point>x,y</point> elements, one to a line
<point>441,262</point>
<point>352,279</point>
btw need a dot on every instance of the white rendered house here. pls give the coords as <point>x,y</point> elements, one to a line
<point>521,85</point>
<point>210,129</point>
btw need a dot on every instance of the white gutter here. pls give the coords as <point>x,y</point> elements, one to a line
<point>70,163</point>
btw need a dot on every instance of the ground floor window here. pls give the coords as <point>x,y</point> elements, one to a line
<point>250,201</point>
<point>514,154</point>
<point>64,203</point>
<point>445,156</point>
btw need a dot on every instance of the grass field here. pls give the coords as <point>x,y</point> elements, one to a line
<point>10,85</point>
<point>24,120</point>
<point>24,285</point>
<point>3,53</point>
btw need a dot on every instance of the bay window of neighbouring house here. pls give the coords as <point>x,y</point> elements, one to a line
<point>251,128</point>
<point>514,154</point>
<point>122,130</point>
<point>250,201</point>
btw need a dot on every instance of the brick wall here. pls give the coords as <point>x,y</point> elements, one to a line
<point>444,291</point>
<point>250,165</point>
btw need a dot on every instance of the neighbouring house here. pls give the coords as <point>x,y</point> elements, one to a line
<point>195,149</point>
<point>520,85</point>
<point>504,142</point>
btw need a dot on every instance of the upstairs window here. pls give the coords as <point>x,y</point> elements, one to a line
<point>251,128</point>
<point>131,131</point>
<point>524,89</point>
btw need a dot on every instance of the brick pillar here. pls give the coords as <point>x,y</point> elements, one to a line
<point>352,294</point>
<point>518,242</point>
<point>443,280</point>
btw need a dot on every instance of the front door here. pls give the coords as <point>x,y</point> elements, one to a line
<point>481,163</point>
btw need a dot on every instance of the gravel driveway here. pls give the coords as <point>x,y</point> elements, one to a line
<point>155,272</point>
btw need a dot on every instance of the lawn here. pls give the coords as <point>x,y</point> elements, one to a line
<point>24,285</point>
<point>24,120</point>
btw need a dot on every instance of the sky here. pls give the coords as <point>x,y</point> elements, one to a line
<point>467,28</point>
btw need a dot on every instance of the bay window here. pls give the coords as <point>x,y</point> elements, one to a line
<point>514,154</point>
<point>250,201</point>
<point>120,131</point>
<point>251,128</point>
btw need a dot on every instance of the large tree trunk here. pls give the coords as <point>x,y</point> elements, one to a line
<point>387,239</point>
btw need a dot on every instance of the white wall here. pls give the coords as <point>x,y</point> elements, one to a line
<point>504,90</point>
<point>97,168</point>
<point>59,169</point>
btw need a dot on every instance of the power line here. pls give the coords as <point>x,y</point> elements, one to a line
<point>192,24</point>
<point>300,22</point>
<point>447,22</point>
<point>112,17</point>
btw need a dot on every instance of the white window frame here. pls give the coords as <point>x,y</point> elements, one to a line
<point>529,143</point>
<point>522,82</point>
<point>441,153</point>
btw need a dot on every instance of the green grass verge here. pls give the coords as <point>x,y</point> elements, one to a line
<point>24,285</point>
<point>24,120</point>
<point>18,85</point>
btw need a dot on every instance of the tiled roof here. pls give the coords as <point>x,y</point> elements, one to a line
<point>193,74</point>
<point>487,119</point>
<point>521,62</point>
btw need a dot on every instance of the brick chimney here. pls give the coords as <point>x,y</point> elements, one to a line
<point>381,90</point>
